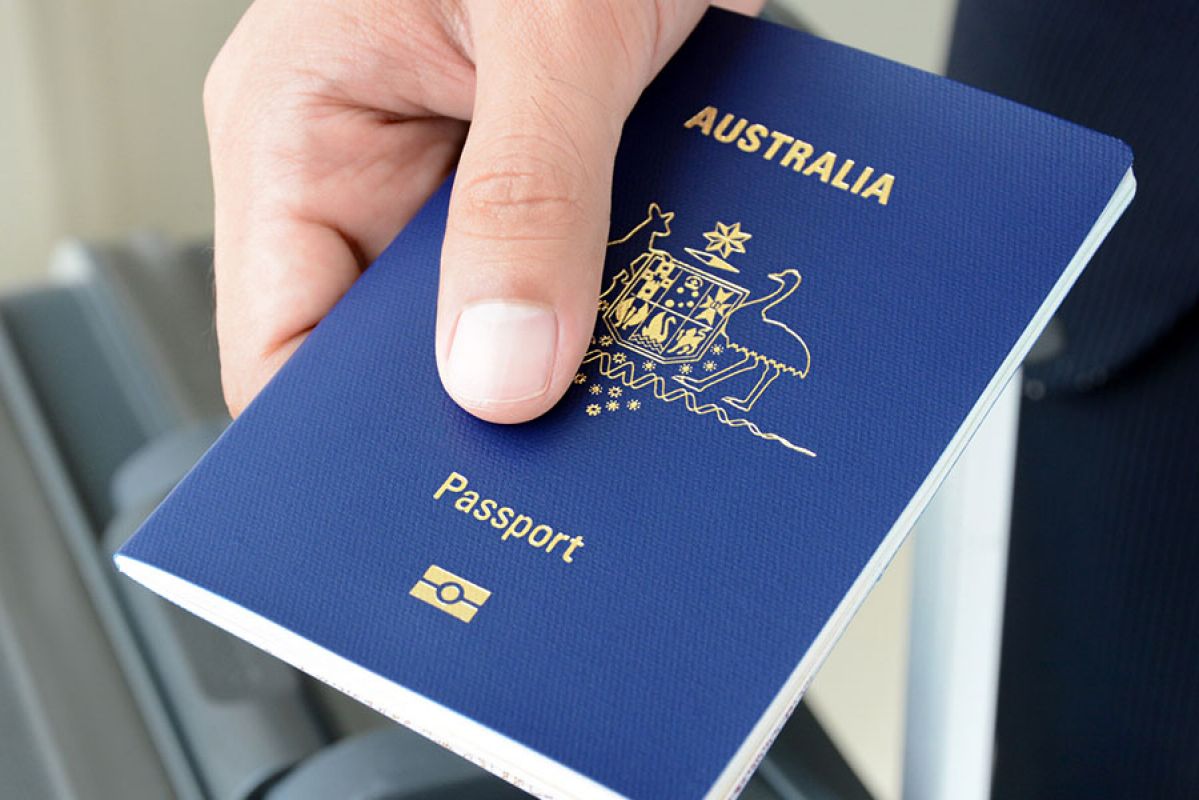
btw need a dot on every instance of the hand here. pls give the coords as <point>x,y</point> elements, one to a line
<point>332,121</point>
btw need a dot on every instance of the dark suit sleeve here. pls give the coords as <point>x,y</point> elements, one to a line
<point>1099,683</point>
<point>1130,69</point>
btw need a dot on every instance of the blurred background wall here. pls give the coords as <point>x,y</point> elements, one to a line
<point>101,129</point>
<point>102,133</point>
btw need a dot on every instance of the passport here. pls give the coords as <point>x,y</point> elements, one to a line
<point>824,267</point>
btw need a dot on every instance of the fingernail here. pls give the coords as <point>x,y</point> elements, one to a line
<point>502,352</point>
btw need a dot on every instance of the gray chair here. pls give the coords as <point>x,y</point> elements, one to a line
<point>109,392</point>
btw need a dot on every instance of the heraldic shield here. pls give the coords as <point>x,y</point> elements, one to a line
<point>670,311</point>
<point>671,331</point>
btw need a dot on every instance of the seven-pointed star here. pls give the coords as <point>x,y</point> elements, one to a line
<point>726,239</point>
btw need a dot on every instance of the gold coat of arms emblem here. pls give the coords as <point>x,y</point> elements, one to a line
<point>685,333</point>
<point>671,311</point>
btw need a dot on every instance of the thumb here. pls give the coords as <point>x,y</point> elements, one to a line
<point>528,220</point>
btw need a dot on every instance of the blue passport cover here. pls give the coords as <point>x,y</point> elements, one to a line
<point>821,261</point>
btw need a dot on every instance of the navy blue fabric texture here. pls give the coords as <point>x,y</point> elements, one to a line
<point>714,554</point>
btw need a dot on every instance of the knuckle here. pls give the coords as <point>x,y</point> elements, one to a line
<point>242,378</point>
<point>217,94</point>
<point>605,29</point>
<point>527,192</point>
<point>235,395</point>
<point>630,31</point>
<point>238,366</point>
<point>211,93</point>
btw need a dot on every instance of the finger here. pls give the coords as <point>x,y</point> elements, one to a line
<point>750,8</point>
<point>329,125</point>
<point>289,243</point>
<point>529,213</point>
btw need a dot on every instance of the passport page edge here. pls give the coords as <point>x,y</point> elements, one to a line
<point>502,756</point>
<point>741,766</point>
